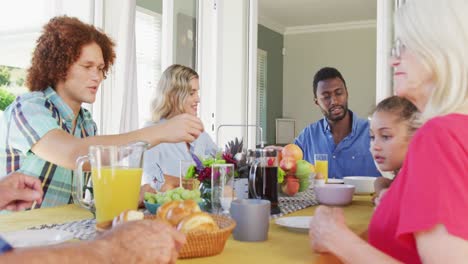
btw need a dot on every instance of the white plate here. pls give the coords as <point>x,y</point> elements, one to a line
<point>295,223</point>
<point>335,181</point>
<point>31,238</point>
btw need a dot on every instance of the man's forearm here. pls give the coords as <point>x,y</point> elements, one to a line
<point>144,134</point>
<point>81,252</point>
<point>71,148</point>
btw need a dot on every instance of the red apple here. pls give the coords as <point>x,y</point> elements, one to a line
<point>290,186</point>
<point>292,151</point>
<point>288,165</point>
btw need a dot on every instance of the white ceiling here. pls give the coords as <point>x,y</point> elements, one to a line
<point>295,13</point>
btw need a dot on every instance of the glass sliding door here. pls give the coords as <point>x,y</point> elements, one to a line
<point>185,32</point>
<point>148,34</point>
<point>179,30</point>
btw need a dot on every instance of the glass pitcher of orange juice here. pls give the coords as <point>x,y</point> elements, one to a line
<point>116,178</point>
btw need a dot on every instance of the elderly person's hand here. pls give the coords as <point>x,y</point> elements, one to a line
<point>326,225</point>
<point>145,241</point>
<point>19,191</point>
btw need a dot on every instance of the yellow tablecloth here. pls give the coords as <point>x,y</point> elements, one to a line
<point>282,246</point>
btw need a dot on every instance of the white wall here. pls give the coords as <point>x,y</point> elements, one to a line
<point>206,64</point>
<point>352,52</point>
<point>384,73</point>
<point>232,71</point>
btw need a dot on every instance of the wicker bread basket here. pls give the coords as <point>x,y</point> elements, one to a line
<point>204,244</point>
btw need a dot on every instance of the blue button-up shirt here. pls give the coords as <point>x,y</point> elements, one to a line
<point>4,246</point>
<point>350,157</point>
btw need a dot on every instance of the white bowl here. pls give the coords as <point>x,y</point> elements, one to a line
<point>363,184</point>
<point>334,194</point>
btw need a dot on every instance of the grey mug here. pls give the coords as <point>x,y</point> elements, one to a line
<point>252,217</point>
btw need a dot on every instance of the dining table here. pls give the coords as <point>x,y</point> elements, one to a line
<point>282,245</point>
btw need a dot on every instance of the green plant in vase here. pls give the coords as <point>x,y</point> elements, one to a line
<point>202,168</point>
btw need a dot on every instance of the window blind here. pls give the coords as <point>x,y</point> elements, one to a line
<point>261,92</point>
<point>148,54</point>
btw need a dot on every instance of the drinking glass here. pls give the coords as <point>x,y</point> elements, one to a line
<point>222,188</point>
<point>183,182</point>
<point>321,165</point>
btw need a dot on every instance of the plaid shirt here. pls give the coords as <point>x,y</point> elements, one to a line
<point>24,123</point>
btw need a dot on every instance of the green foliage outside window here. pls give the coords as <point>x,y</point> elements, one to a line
<point>4,76</point>
<point>20,81</point>
<point>11,84</point>
<point>6,98</point>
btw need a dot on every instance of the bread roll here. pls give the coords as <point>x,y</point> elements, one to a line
<point>129,215</point>
<point>197,222</point>
<point>175,215</point>
<point>190,206</point>
<point>103,226</point>
<point>164,209</point>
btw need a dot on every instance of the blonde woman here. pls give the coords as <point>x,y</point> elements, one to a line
<point>177,93</point>
<point>423,216</point>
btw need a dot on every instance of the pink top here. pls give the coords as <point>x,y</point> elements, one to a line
<point>431,189</point>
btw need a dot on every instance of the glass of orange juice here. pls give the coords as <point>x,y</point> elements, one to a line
<point>116,178</point>
<point>321,165</point>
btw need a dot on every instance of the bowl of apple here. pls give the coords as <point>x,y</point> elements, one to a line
<point>295,176</point>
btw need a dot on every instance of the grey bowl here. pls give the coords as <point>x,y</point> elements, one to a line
<point>334,194</point>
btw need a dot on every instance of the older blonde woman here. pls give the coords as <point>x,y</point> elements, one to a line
<point>177,93</point>
<point>423,216</point>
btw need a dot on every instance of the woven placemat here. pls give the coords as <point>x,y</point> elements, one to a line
<point>85,229</point>
<point>295,203</point>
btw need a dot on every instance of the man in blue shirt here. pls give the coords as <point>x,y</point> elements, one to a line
<point>341,134</point>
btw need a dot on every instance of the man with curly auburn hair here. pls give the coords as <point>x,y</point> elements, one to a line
<point>44,131</point>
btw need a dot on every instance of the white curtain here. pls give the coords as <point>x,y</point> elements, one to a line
<point>116,107</point>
